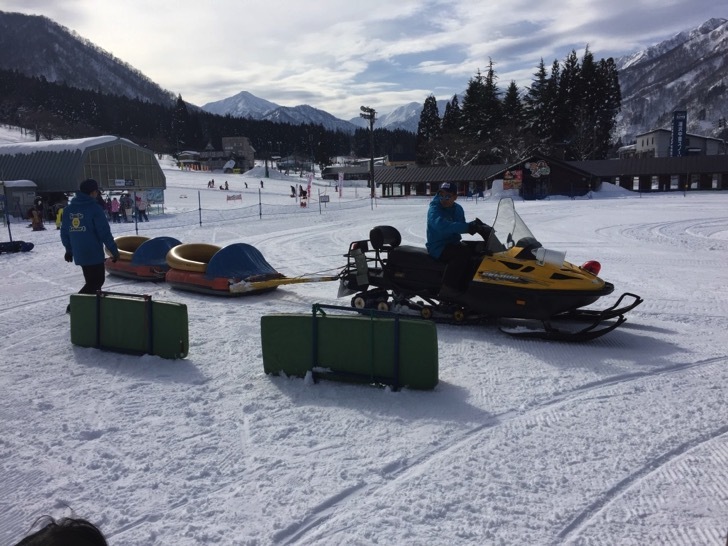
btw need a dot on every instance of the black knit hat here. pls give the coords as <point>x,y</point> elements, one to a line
<point>89,185</point>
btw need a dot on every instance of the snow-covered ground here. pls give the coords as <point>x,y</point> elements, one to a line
<point>623,440</point>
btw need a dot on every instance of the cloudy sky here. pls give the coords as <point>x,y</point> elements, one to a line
<point>337,55</point>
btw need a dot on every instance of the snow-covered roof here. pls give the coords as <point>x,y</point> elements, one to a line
<point>690,135</point>
<point>59,165</point>
<point>80,144</point>
<point>19,184</point>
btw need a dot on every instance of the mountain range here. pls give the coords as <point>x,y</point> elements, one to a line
<point>686,72</point>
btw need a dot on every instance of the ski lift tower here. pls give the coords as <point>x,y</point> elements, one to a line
<point>370,114</point>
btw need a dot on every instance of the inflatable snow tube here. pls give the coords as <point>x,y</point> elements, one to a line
<point>142,258</point>
<point>15,246</point>
<point>209,269</point>
<point>192,257</point>
<point>127,244</point>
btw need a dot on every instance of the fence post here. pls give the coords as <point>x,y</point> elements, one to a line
<point>135,212</point>
<point>199,205</point>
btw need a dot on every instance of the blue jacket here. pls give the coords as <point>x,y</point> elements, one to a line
<point>444,226</point>
<point>85,230</point>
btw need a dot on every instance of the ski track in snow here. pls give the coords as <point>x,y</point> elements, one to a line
<point>669,462</point>
<point>343,501</point>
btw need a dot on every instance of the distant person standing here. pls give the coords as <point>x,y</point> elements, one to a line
<point>84,232</point>
<point>141,208</point>
<point>125,206</point>
<point>59,216</point>
<point>115,207</point>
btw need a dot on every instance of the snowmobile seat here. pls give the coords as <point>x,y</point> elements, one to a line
<point>414,267</point>
<point>415,257</point>
<point>385,238</point>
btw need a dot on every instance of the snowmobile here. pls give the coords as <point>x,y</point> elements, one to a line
<point>528,290</point>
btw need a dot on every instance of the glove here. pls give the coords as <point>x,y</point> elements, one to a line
<point>114,258</point>
<point>473,227</point>
<point>484,230</point>
<point>68,257</point>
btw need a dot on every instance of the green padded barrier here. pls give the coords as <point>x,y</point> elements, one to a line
<point>121,322</point>
<point>352,348</point>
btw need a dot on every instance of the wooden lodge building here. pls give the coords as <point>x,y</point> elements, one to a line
<point>540,176</point>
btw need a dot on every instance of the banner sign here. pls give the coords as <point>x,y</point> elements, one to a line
<point>538,168</point>
<point>679,130</point>
<point>512,180</point>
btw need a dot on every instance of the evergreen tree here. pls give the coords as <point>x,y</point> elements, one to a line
<point>186,131</point>
<point>452,118</point>
<point>589,102</point>
<point>539,104</point>
<point>609,106</point>
<point>428,131</point>
<point>584,114</point>
<point>514,143</point>
<point>513,110</point>
<point>493,115</point>
<point>474,108</point>
<point>567,103</point>
<point>482,117</point>
<point>453,147</point>
<point>493,131</point>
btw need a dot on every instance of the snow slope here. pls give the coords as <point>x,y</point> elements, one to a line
<point>623,440</point>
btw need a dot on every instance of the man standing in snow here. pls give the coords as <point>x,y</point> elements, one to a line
<point>84,232</point>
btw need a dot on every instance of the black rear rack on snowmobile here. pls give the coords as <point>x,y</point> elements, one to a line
<point>369,257</point>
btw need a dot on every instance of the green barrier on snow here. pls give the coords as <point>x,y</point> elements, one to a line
<point>380,348</point>
<point>129,323</point>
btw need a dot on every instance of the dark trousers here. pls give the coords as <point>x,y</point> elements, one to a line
<point>95,276</point>
<point>457,272</point>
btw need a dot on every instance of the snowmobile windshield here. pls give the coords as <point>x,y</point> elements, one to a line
<point>509,228</point>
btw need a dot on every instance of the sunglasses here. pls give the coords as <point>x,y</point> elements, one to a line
<point>446,196</point>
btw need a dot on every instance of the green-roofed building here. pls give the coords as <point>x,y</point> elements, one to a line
<point>59,166</point>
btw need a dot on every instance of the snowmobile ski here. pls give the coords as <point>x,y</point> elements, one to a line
<point>534,329</point>
<point>604,314</point>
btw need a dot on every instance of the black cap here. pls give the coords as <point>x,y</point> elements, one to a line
<point>89,185</point>
<point>449,187</point>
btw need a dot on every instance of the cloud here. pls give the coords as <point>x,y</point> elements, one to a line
<point>337,55</point>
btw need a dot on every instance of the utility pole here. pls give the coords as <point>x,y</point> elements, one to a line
<point>370,114</point>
